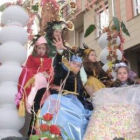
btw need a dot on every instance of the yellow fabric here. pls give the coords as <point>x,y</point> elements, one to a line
<point>87,51</point>
<point>95,83</point>
<point>75,85</point>
<point>66,92</point>
<point>41,60</point>
<point>37,125</point>
<point>30,82</point>
<point>21,110</point>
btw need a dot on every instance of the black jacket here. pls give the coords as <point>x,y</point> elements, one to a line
<point>73,82</point>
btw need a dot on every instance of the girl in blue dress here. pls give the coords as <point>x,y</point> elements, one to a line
<point>68,100</point>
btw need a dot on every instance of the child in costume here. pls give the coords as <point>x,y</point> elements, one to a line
<point>57,29</point>
<point>124,76</point>
<point>116,110</point>
<point>34,77</point>
<point>67,101</point>
<point>97,78</point>
<point>53,30</point>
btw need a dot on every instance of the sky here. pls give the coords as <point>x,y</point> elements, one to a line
<point>4,1</point>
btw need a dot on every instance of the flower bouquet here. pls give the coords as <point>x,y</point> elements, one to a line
<point>46,130</point>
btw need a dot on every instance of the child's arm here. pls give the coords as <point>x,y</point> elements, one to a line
<point>29,62</point>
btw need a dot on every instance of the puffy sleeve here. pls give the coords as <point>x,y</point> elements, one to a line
<point>29,62</point>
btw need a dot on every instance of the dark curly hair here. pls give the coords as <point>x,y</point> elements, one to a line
<point>49,29</point>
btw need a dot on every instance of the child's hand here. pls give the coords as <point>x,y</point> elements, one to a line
<point>45,74</point>
<point>58,43</point>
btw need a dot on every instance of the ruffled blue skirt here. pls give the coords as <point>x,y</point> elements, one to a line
<point>71,115</point>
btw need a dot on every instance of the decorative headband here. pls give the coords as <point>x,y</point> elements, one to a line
<point>87,51</point>
<point>57,27</point>
<point>76,59</point>
<point>121,64</point>
<point>40,41</point>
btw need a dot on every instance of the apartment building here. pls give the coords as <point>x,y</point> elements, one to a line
<point>100,13</point>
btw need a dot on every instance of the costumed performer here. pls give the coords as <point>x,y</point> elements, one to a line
<point>116,110</point>
<point>34,78</point>
<point>67,101</point>
<point>124,76</point>
<point>96,76</point>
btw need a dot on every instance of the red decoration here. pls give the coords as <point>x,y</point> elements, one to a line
<point>48,117</point>
<point>54,129</point>
<point>44,127</point>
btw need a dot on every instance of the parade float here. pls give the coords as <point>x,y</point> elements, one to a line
<point>17,31</point>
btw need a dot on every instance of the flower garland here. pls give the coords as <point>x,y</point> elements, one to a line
<point>112,35</point>
<point>114,32</point>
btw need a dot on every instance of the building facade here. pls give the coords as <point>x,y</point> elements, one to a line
<point>100,13</point>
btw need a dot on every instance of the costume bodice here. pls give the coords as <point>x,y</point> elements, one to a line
<point>38,64</point>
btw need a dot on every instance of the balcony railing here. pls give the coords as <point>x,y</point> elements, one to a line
<point>81,6</point>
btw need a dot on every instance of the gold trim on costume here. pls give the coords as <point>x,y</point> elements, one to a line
<point>66,92</point>
<point>37,124</point>
<point>75,84</point>
<point>21,111</point>
<point>41,60</point>
<point>103,77</point>
<point>31,81</point>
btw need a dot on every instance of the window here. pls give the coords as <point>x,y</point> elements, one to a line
<point>136,6</point>
<point>102,19</point>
